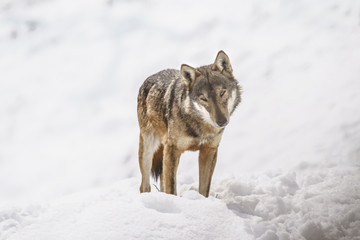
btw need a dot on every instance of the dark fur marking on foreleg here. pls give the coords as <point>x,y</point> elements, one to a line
<point>213,162</point>
<point>172,170</point>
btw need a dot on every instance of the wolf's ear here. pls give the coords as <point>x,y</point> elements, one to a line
<point>189,74</point>
<point>222,64</point>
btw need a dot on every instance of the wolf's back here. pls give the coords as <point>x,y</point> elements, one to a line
<point>152,93</point>
<point>160,81</point>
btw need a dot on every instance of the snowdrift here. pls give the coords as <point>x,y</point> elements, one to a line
<point>325,205</point>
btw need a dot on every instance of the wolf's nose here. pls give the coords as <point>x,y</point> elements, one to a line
<point>222,122</point>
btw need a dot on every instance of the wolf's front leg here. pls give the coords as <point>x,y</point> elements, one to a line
<point>170,165</point>
<point>207,162</point>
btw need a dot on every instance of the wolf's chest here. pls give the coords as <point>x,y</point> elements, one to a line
<point>186,142</point>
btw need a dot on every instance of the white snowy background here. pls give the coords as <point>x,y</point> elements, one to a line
<point>289,161</point>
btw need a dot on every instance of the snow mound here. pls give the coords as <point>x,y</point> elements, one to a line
<point>324,205</point>
<point>14,218</point>
<point>319,204</point>
<point>120,212</point>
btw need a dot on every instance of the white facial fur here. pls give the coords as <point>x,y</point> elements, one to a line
<point>231,101</point>
<point>205,115</point>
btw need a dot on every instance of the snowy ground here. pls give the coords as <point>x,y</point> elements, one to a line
<point>289,161</point>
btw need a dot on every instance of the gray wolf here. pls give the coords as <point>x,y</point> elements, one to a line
<point>184,110</point>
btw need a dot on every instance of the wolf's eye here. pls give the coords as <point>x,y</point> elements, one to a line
<point>202,98</point>
<point>222,93</point>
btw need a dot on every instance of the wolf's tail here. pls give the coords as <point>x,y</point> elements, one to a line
<point>157,163</point>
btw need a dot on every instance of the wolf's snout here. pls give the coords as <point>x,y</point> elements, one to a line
<point>222,122</point>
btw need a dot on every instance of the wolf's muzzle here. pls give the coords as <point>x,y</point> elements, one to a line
<point>222,122</point>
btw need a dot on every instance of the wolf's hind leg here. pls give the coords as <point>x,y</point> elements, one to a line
<point>148,144</point>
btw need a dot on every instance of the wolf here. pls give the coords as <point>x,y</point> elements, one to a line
<point>184,110</point>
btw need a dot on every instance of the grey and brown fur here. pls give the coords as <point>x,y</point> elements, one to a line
<point>184,110</point>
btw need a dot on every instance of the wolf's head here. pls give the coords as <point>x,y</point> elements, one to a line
<point>213,92</point>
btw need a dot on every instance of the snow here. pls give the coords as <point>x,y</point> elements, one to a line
<point>119,212</point>
<point>289,161</point>
<point>324,206</point>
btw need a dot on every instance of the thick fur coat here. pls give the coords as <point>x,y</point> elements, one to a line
<point>184,110</point>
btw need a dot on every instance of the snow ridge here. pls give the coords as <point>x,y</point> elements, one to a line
<point>320,204</point>
<point>325,204</point>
